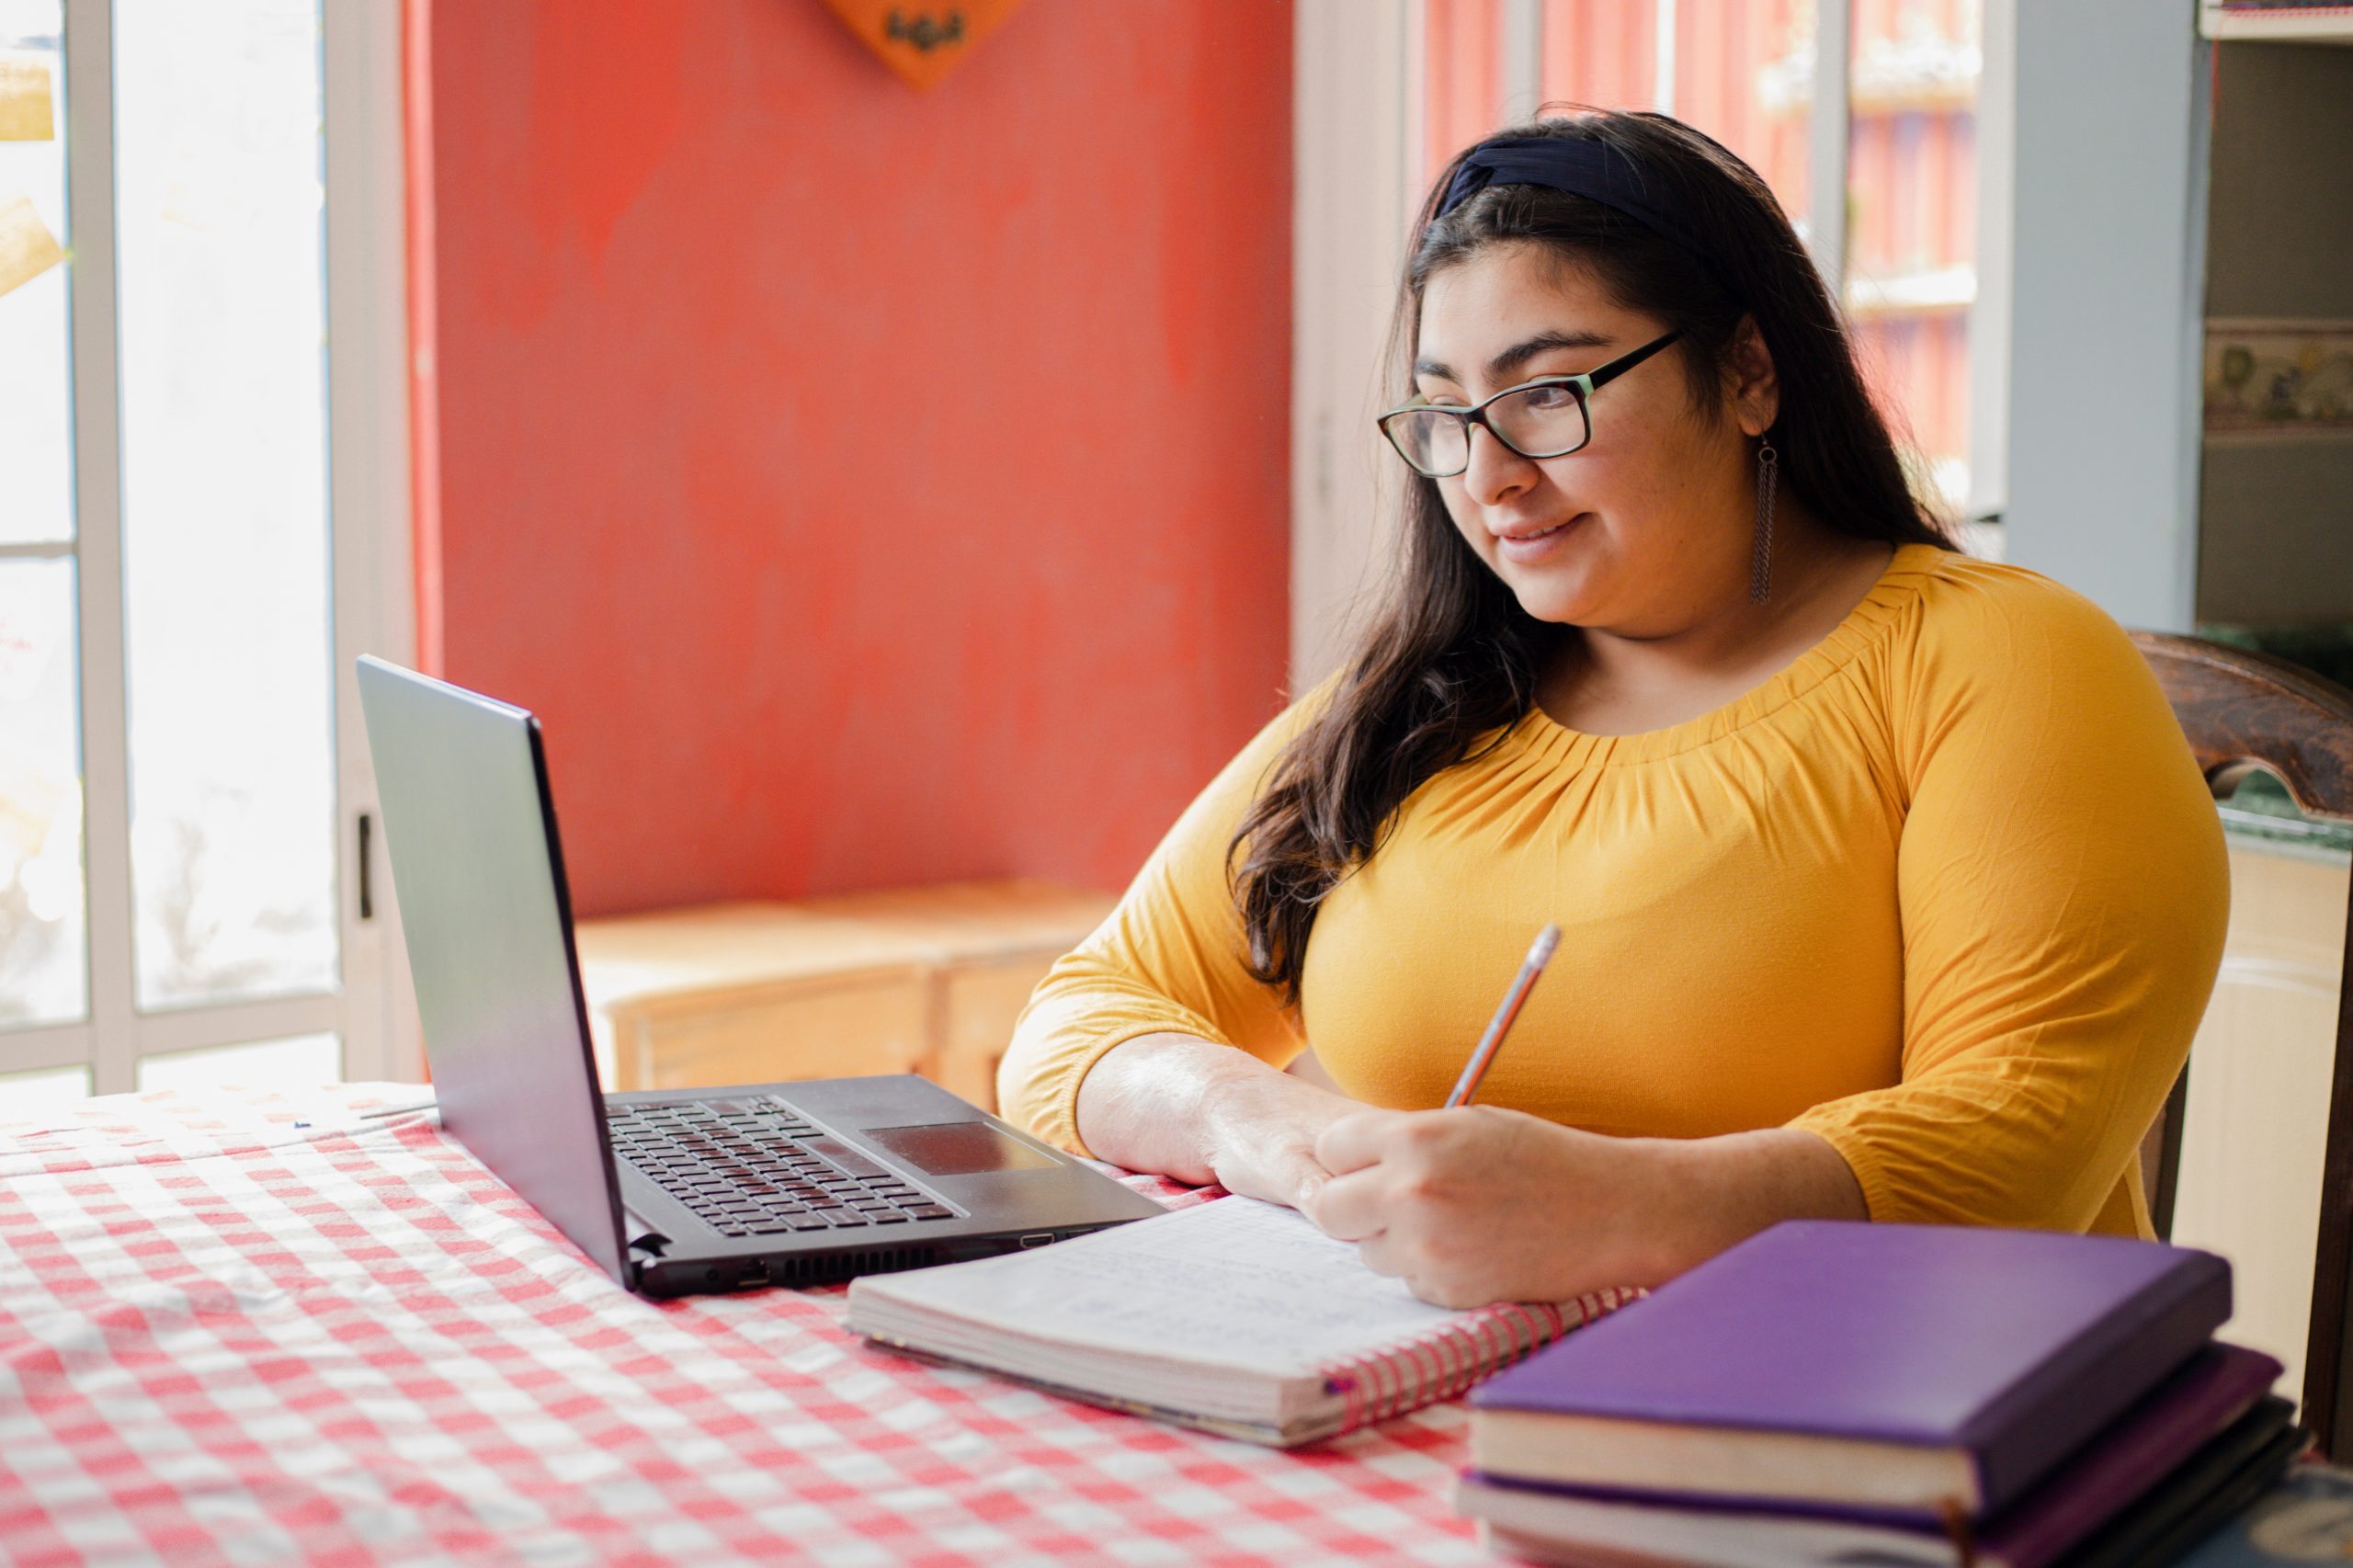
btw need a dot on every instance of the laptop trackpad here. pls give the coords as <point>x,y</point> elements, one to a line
<point>957,1148</point>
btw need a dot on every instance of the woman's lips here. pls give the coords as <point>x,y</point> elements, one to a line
<point>1529,548</point>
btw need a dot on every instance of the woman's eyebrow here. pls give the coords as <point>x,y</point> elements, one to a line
<point>1506,364</point>
<point>1509,361</point>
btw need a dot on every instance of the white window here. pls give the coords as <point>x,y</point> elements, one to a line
<point>203,510</point>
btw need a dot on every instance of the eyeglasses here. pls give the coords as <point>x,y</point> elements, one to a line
<point>1548,418</point>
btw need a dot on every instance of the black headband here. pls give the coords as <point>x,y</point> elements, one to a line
<point>1594,170</point>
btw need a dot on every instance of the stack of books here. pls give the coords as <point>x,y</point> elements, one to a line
<point>1849,1394</point>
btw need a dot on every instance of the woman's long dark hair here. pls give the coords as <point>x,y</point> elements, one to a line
<point>1452,656</point>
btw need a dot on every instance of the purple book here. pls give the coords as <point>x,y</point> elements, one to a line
<point>1906,1369</point>
<point>2155,1436</point>
<point>2149,1442</point>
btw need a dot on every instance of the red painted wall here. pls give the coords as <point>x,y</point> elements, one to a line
<point>865,487</point>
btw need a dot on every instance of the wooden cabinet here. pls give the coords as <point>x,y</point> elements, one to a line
<point>2259,1076</point>
<point>910,980</point>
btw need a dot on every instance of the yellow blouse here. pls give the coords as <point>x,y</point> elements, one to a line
<point>1948,891</point>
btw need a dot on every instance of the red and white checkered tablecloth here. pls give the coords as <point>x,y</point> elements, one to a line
<point>274,1329</point>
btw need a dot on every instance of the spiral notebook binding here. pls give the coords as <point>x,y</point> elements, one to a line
<point>1444,1362</point>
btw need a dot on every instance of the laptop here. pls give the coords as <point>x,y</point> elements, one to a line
<point>670,1191</point>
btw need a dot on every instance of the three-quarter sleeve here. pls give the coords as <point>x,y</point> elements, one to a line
<point>2064,890</point>
<point>1170,958</point>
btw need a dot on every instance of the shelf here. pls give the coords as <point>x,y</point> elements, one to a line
<point>2312,24</point>
<point>2285,434</point>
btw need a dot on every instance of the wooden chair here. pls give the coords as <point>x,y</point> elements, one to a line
<point>2244,712</point>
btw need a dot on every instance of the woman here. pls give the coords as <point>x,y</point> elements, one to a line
<point>1888,887</point>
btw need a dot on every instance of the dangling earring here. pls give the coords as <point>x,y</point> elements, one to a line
<point>1760,564</point>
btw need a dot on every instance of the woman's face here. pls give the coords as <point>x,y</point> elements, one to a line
<point>1648,526</point>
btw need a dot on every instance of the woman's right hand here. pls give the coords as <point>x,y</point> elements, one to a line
<point>1202,1112</point>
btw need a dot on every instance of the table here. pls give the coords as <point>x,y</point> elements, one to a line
<point>311,1328</point>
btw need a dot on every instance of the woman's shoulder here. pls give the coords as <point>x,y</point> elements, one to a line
<point>1968,616</point>
<point>1998,651</point>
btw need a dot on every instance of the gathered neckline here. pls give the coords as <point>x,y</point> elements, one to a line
<point>1898,583</point>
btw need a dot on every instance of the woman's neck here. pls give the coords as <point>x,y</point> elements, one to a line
<point>1605,683</point>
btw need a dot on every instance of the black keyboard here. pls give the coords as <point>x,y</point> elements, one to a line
<point>754,1168</point>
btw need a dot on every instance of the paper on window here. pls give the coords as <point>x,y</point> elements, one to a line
<point>26,111</point>
<point>26,247</point>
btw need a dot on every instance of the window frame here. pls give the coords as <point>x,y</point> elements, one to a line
<point>369,554</point>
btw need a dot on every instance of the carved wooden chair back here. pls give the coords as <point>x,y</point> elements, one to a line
<point>2241,712</point>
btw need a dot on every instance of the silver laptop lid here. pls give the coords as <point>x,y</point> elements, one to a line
<point>469,827</point>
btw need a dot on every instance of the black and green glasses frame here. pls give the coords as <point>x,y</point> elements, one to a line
<point>1548,418</point>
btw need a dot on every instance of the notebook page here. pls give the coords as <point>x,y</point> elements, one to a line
<point>1234,1282</point>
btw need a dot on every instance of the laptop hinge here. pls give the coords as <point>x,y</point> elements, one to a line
<point>643,1237</point>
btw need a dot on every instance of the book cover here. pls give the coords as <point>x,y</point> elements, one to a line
<point>2228,1476</point>
<point>2173,1461</point>
<point>2012,1347</point>
<point>2215,1499</point>
<point>2211,1393</point>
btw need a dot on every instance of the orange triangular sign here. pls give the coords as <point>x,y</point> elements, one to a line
<point>922,39</point>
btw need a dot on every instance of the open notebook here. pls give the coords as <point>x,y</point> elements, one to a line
<point>1235,1316</point>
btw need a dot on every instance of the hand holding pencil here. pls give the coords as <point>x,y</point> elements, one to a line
<point>1473,1203</point>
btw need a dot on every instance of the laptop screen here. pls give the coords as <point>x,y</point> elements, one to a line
<point>479,875</point>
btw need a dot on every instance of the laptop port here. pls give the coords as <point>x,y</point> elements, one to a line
<point>1040,1239</point>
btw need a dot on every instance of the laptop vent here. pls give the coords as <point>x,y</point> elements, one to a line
<point>842,1266</point>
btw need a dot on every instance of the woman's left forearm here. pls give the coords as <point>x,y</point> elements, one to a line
<point>1718,1191</point>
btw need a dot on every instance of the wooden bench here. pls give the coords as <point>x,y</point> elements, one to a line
<point>909,980</point>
